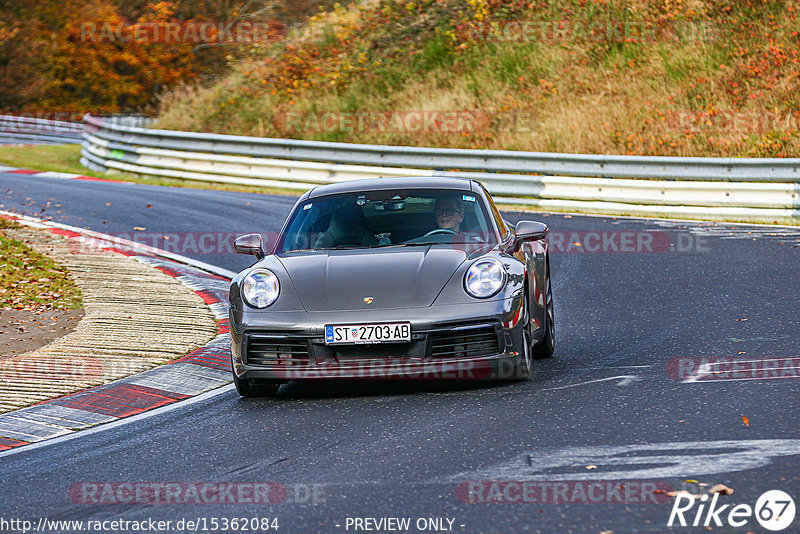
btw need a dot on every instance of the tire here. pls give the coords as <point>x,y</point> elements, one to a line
<point>523,367</point>
<point>546,347</point>
<point>248,390</point>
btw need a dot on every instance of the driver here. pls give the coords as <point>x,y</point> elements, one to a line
<point>449,213</point>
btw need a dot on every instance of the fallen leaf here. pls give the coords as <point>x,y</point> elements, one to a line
<point>690,481</point>
<point>149,206</point>
<point>567,216</point>
<point>745,420</point>
<point>139,228</point>
<point>108,203</point>
<point>721,488</point>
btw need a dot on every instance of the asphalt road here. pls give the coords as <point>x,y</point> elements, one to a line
<point>9,139</point>
<point>611,406</point>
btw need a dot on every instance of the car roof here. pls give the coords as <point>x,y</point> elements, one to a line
<point>378,184</point>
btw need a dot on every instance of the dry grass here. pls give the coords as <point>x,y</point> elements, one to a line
<point>32,281</point>
<point>688,96</point>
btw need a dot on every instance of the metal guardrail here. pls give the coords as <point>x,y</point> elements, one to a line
<point>18,128</point>
<point>756,189</point>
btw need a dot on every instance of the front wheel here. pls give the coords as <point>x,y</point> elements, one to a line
<point>523,366</point>
<point>546,347</point>
<point>265,388</point>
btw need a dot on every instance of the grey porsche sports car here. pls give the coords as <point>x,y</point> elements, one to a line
<point>392,278</point>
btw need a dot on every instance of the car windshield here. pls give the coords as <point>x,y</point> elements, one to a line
<point>407,217</point>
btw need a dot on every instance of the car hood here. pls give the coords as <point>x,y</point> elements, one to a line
<point>332,280</point>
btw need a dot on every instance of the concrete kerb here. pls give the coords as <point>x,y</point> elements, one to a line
<point>185,373</point>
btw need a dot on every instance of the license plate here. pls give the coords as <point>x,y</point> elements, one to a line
<point>367,333</point>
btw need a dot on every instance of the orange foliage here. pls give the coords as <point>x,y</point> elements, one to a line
<point>99,62</point>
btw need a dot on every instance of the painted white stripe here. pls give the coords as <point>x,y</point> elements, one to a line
<point>713,380</point>
<point>612,208</point>
<point>658,460</point>
<point>624,381</point>
<point>52,174</point>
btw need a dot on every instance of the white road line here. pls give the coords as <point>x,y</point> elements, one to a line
<point>566,369</point>
<point>639,461</point>
<point>624,381</point>
<point>710,380</point>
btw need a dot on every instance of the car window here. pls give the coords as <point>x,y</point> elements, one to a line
<point>501,224</point>
<point>388,218</point>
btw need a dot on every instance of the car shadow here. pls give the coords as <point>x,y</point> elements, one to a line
<point>333,388</point>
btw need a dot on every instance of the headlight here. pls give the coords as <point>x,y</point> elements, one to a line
<point>260,288</point>
<point>485,278</point>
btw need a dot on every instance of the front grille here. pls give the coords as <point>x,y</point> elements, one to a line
<point>369,352</point>
<point>270,351</point>
<point>465,344</point>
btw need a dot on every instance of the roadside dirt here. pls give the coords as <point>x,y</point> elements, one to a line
<point>23,331</point>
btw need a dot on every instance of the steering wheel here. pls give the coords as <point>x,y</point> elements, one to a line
<point>440,231</point>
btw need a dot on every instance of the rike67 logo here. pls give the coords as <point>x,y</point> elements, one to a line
<point>774,510</point>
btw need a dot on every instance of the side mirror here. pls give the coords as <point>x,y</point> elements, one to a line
<point>528,231</point>
<point>249,244</point>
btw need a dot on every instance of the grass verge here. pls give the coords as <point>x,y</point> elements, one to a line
<point>66,158</point>
<point>32,281</point>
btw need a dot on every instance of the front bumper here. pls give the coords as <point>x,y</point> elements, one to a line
<point>456,343</point>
